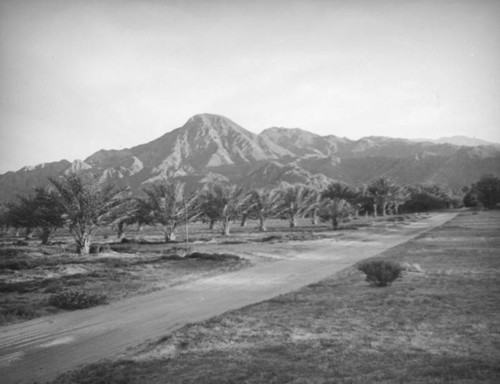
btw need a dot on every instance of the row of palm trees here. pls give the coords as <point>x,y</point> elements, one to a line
<point>84,206</point>
<point>168,205</point>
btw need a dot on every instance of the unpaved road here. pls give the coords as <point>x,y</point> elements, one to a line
<point>40,349</point>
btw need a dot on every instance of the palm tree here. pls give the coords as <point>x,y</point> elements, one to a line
<point>336,202</point>
<point>400,194</point>
<point>315,201</point>
<point>295,201</point>
<point>222,202</point>
<point>40,210</point>
<point>87,206</point>
<point>19,214</point>
<point>338,191</point>
<point>263,203</point>
<point>165,205</point>
<point>381,190</point>
<point>333,210</point>
<point>126,214</point>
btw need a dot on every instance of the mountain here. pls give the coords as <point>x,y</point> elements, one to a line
<point>461,141</point>
<point>210,148</point>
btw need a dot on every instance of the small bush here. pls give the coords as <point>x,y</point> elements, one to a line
<point>15,265</point>
<point>77,299</point>
<point>380,273</point>
<point>98,248</point>
<point>212,256</point>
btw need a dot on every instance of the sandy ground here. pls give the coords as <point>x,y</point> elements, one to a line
<point>42,348</point>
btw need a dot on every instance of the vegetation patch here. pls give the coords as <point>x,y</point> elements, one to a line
<point>213,256</point>
<point>381,273</point>
<point>77,299</point>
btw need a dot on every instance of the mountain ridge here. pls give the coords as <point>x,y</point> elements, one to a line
<point>213,147</point>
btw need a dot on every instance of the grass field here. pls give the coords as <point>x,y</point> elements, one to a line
<point>439,323</point>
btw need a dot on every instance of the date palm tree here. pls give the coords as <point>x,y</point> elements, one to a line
<point>339,191</point>
<point>295,202</point>
<point>381,191</point>
<point>40,211</point>
<point>222,202</point>
<point>336,202</point>
<point>263,203</point>
<point>164,205</point>
<point>334,210</point>
<point>87,206</point>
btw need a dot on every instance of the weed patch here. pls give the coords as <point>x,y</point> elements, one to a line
<point>213,256</point>
<point>77,299</point>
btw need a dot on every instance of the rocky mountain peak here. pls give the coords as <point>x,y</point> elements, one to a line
<point>207,121</point>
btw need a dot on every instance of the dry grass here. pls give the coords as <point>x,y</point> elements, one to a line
<point>440,323</point>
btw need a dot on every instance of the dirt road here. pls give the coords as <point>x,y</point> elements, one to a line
<point>42,348</point>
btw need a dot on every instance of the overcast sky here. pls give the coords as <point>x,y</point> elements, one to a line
<point>78,76</point>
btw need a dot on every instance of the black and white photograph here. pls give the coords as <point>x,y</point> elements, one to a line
<point>249,191</point>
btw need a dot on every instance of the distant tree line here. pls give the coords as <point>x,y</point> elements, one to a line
<point>484,193</point>
<point>83,205</point>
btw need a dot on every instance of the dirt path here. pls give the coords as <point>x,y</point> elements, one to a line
<point>42,348</point>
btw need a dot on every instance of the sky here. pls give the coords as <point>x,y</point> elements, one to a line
<point>77,76</point>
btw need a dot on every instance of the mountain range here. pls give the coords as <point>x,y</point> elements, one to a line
<point>213,148</point>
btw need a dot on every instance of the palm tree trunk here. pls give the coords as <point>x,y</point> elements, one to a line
<point>244,220</point>
<point>225,227</point>
<point>170,234</point>
<point>335,223</point>
<point>28,234</point>
<point>83,245</point>
<point>262,224</point>
<point>46,232</point>
<point>120,229</point>
<point>314,218</point>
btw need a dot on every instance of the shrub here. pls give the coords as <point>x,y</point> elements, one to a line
<point>212,256</point>
<point>380,273</point>
<point>77,299</point>
<point>98,248</point>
